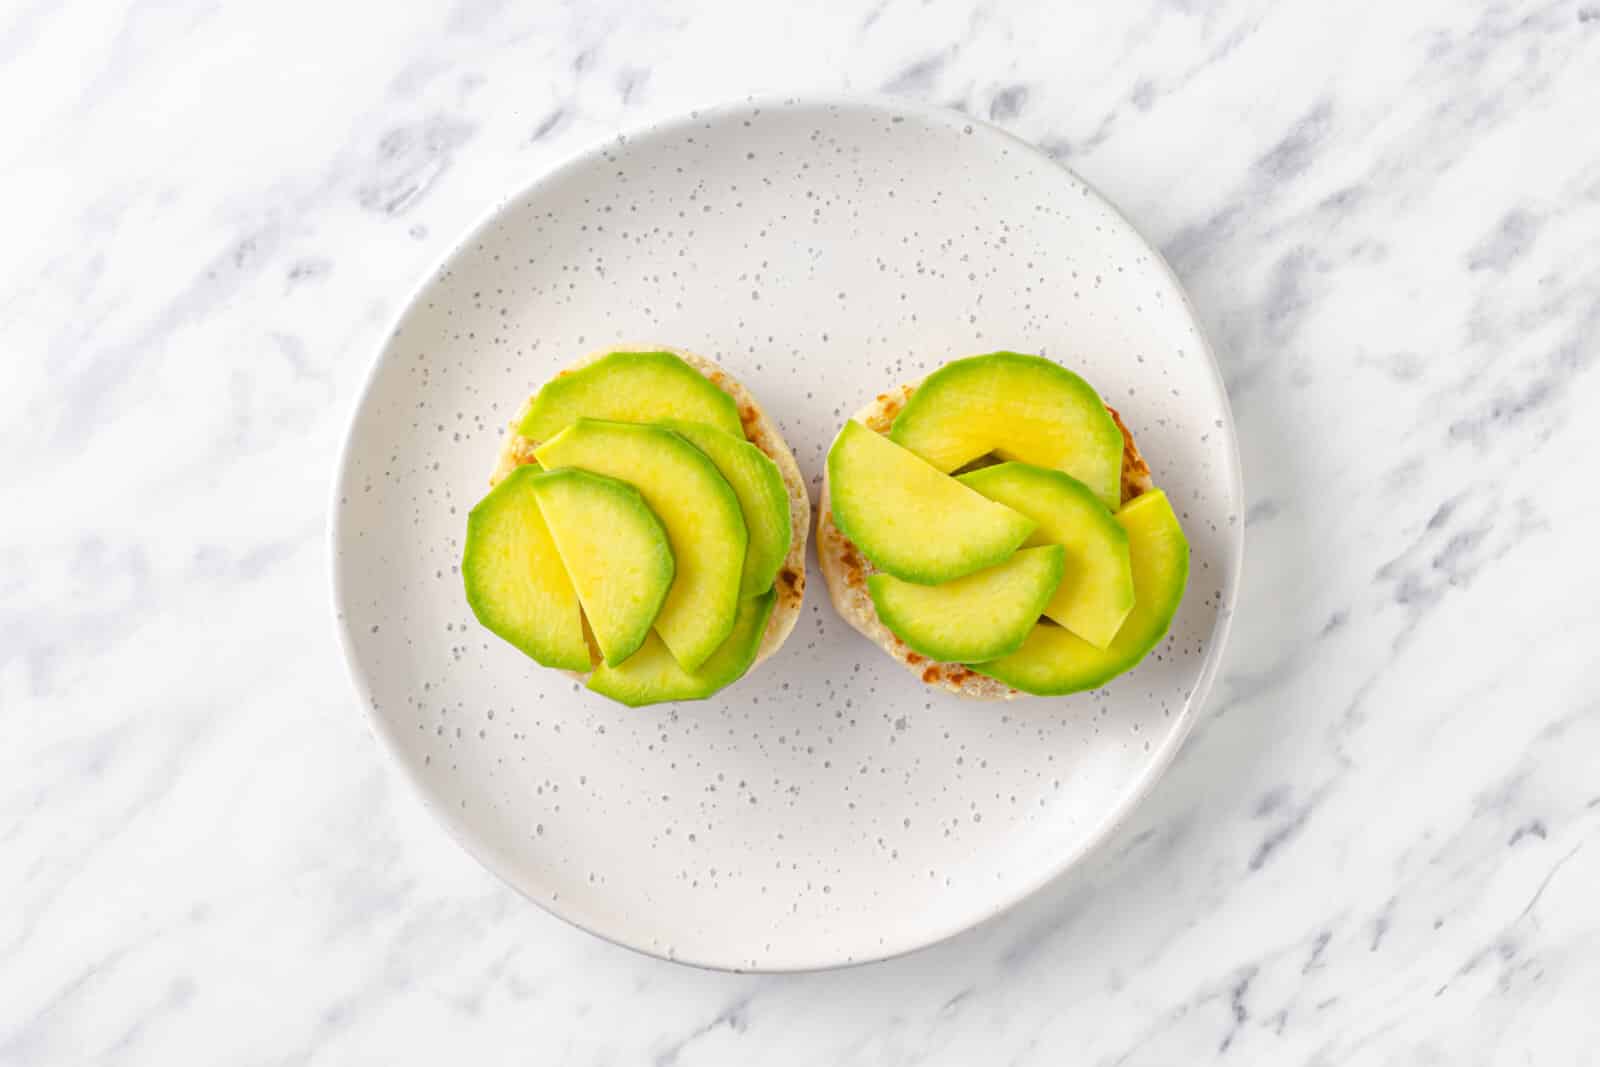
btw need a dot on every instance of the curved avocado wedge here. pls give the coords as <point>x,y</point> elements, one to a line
<point>980,617</point>
<point>763,499</point>
<point>515,581</point>
<point>1096,591</point>
<point>615,551</point>
<point>630,387</point>
<point>1052,661</point>
<point>696,506</point>
<point>909,519</point>
<point>1019,407</point>
<point>651,675</point>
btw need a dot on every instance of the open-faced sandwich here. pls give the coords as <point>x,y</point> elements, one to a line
<point>994,529</point>
<point>645,529</point>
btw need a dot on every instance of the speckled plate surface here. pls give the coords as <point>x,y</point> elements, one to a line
<point>827,809</point>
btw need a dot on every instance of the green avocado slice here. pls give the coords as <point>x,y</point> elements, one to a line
<point>909,519</point>
<point>1019,407</point>
<point>630,387</point>
<point>515,582</point>
<point>980,617</point>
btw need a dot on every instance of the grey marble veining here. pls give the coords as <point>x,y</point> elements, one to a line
<point>1382,843</point>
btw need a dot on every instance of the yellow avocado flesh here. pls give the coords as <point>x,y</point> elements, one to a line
<point>1053,661</point>
<point>972,619</point>
<point>652,675</point>
<point>614,550</point>
<point>911,520</point>
<point>1096,590</point>
<point>1018,407</point>
<point>516,584</point>
<point>696,506</point>
<point>630,387</point>
<point>763,499</point>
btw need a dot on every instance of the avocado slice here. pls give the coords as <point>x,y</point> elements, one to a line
<point>1019,407</point>
<point>909,519</point>
<point>1053,661</point>
<point>1096,591</point>
<point>763,499</point>
<point>516,584</point>
<point>652,675</point>
<point>980,617</point>
<point>615,551</point>
<point>630,387</point>
<point>697,507</point>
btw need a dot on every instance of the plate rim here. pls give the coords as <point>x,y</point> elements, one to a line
<point>1111,818</point>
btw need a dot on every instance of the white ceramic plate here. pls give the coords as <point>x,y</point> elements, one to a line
<point>827,809</point>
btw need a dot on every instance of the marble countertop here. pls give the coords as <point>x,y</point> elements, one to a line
<point>1380,845</point>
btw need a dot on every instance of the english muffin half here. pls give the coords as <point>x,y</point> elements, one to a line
<point>759,429</point>
<point>846,568</point>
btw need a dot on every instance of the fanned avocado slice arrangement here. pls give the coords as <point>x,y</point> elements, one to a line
<point>1028,567</point>
<point>643,546</point>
